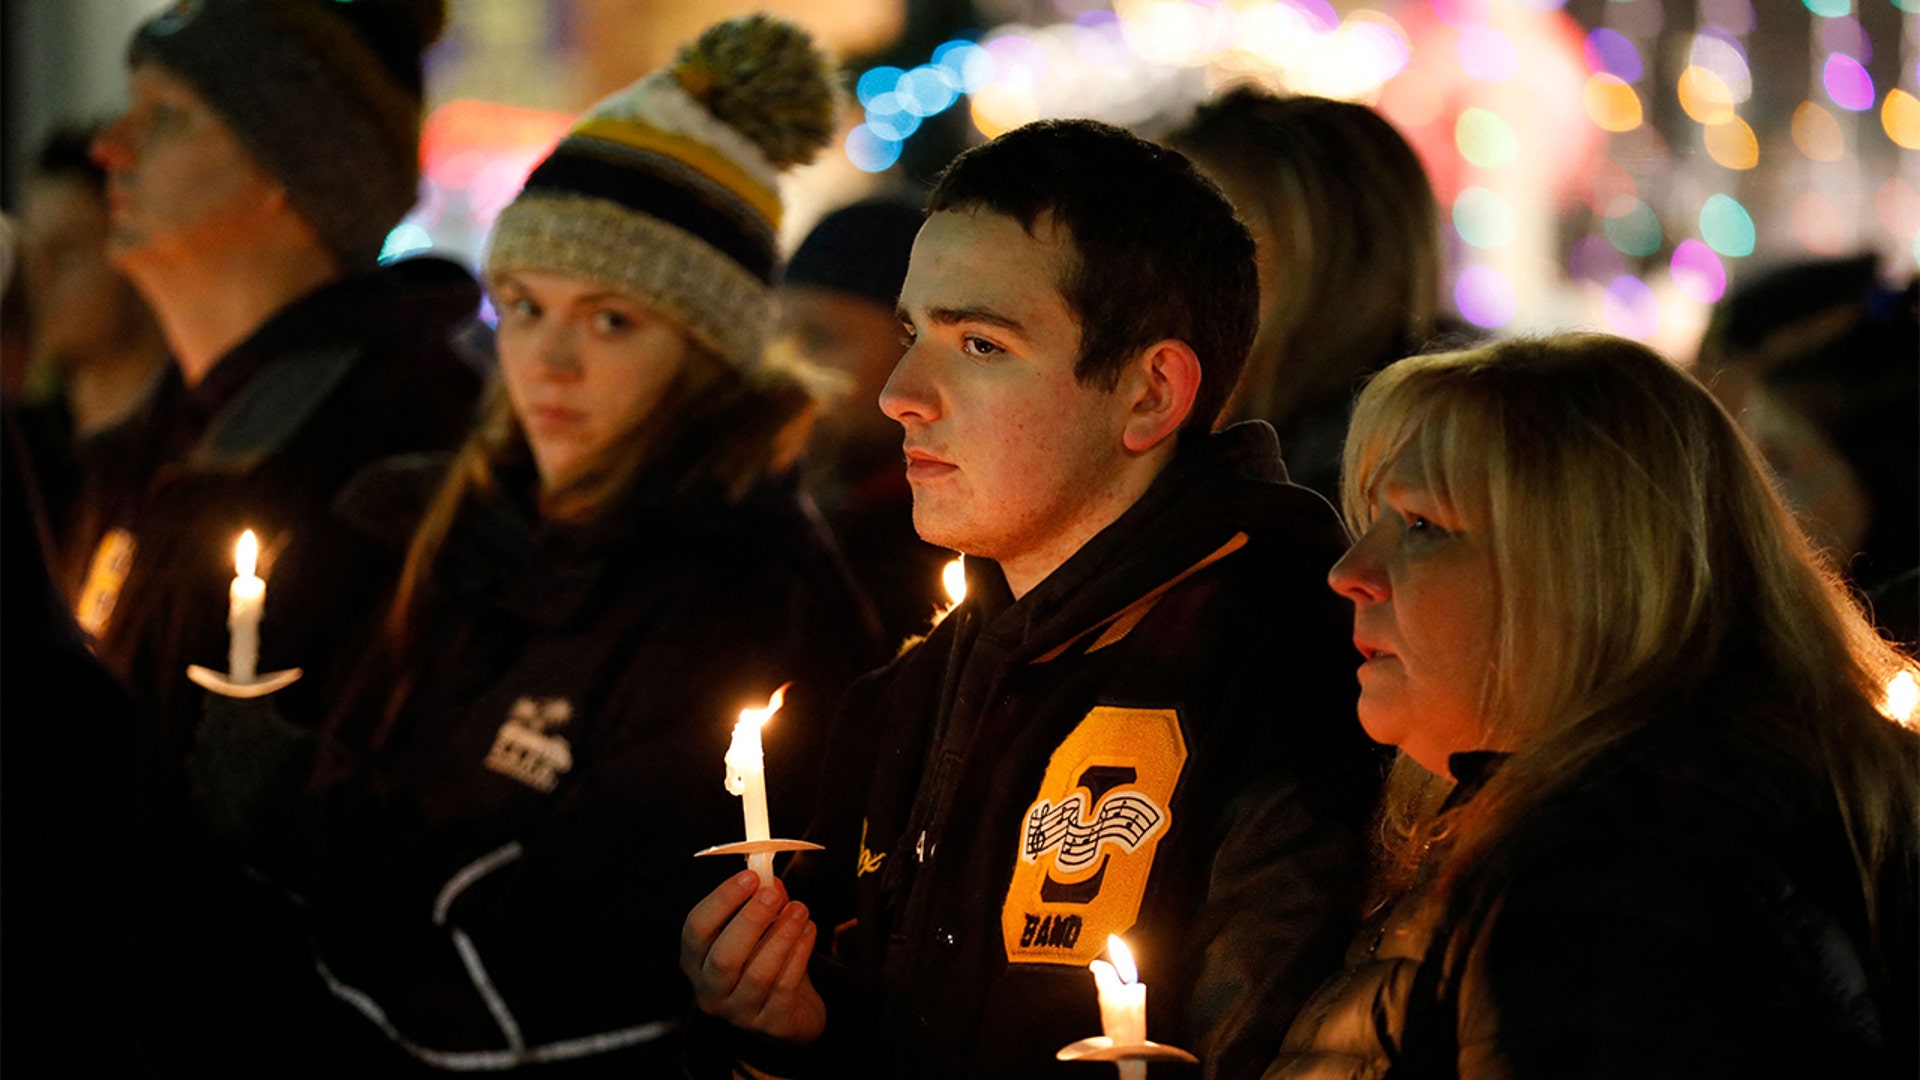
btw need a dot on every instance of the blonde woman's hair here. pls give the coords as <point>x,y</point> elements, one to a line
<point>1646,566</point>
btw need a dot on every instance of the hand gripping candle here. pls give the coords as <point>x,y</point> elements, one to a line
<point>747,778</point>
<point>245,600</point>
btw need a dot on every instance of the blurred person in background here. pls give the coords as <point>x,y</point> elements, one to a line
<point>499,836</point>
<point>269,148</point>
<point>1818,362</point>
<point>1347,236</point>
<point>838,309</point>
<point>90,332</point>
<point>1648,818</point>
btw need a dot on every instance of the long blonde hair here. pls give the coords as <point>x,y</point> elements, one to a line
<point>1645,561</point>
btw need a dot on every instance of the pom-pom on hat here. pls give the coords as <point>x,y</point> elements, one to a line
<point>325,94</point>
<point>670,187</point>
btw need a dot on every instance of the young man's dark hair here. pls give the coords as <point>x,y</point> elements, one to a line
<point>1160,252</point>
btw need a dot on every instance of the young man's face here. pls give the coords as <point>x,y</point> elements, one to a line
<point>178,181</point>
<point>1010,457</point>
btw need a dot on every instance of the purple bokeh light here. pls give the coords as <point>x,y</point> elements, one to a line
<point>1611,52</point>
<point>1487,54</point>
<point>1631,309</point>
<point>1484,297</point>
<point>1847,83</point>
<point>1698,272</point>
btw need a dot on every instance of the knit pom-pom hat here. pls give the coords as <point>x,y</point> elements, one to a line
<point>670,187</point>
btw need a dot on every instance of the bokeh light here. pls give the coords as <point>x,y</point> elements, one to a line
<point>1898,207</point>
<point>1718,52</point>
<point>1606,185</point>
<point>1484,297</point>
<point>1846,35</point>
<point>1485,139</point>
<point>998,109</point>
<point>1487,54</point>
<point>1483,219</point>
<point>1633,227</point>
<point>1831,9</point>
<point>1463,13</point>
<point>407,238</point>
<point>1726,226</point>
<point>1818,226</point>
<point>1900,115</point>
<point>1705,96</point>
<point>1596,259</point>
<point>1817,133</point>
<point>869,152</point>
<point>1611,103</point>
<point>1732,145</point>
<point>1848,84</point>
<point>1698,273</point>
<point>1733,16</point>
<point>1610,52</point>
<point>876,81</point>
<point>1631,309</point>
<point>925,91</point>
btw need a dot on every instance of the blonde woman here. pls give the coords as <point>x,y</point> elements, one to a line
<point>1648,819</point>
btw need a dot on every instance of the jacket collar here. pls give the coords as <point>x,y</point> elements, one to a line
<point>1217,488</point>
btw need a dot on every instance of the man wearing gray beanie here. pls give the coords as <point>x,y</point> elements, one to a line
<point>269,148</point>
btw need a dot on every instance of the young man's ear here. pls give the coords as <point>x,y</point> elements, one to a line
<point>1162,383</point>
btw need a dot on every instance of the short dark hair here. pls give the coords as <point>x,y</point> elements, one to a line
<point>1158,252</point>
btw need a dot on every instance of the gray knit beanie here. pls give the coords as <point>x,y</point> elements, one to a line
<point>326,95</point>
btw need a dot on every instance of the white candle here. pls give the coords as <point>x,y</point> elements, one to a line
<point>245,600</point>
<point>747,778</point>
<point>1123,1003</point>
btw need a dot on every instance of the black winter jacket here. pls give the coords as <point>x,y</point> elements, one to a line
<point>503,866</point>
<point>1691,910</point>
<point>357,371</point>
<point>1157,741</point>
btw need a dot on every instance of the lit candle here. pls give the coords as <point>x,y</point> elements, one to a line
<point>1123,1003</point>
<point>953,577</point>
<point>747,778</point>
<point>244,603</point>
<point>1903,698</point>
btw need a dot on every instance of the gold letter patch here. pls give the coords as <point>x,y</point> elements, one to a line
<point>1086,844</point>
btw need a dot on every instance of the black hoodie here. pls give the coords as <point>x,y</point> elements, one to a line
<point>1157,741</point>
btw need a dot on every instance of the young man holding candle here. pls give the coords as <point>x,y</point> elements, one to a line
<point>1140,720</point>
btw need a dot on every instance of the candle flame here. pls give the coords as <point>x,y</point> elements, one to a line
<point>954,577</point>
<point>246,554</point>
<point>1122,960</point>
<point>759,717</point>
<point>1903,698</point>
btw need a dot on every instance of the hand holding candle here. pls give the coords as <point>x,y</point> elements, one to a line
<point>246,599</point>
<point>747,778</point>
<point>953,578</point>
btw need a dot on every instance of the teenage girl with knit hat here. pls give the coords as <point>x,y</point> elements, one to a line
<point>508,797</point>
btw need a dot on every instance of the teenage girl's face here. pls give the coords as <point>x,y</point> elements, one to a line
<point>584,363</point>
<point>1425,613</point>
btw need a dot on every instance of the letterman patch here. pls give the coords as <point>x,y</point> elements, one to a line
<point>524,750</point>
<point>1086,844</point>
<point>112,560</point>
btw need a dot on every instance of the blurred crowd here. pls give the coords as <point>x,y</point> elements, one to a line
<point>1413,703</point>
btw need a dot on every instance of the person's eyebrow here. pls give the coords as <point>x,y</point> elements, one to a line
<point>943,316</point>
